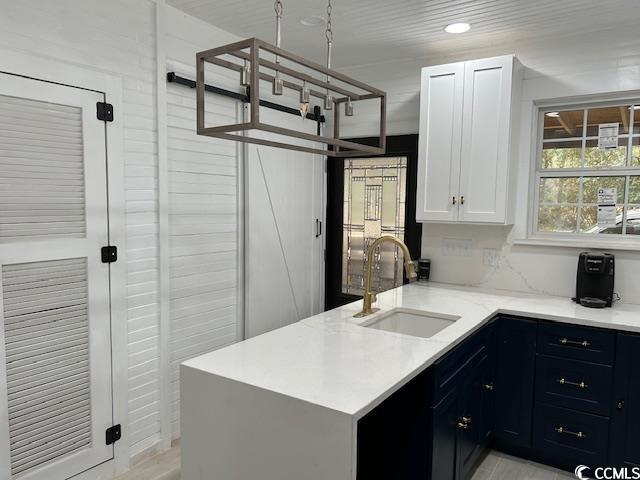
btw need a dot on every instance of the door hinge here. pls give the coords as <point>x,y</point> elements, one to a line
<point>113,434</point>
<point>109,254</point>
<point>104,111</point>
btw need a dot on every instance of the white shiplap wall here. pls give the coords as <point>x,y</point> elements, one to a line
<point>600,61</point>
<point>118,38</point>
<point>203,208</point>
<point>203,230</point>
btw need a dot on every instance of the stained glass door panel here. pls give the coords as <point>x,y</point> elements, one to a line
<point>374,205</point>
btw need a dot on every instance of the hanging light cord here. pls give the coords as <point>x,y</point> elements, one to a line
<point>279,9</point>
<point>329,35</point>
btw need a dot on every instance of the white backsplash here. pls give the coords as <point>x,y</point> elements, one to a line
<point>533,269</point>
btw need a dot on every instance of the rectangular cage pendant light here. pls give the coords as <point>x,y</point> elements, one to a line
<point>261,62</point>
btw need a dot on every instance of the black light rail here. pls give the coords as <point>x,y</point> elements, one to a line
<point>316,116</point>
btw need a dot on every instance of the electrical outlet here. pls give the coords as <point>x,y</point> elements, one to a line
<point>457,247</point>
<point>490,257</point>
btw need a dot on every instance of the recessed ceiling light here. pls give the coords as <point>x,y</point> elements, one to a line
<point>313,21</point>
<point>552,114</point>
<point>457,28</point>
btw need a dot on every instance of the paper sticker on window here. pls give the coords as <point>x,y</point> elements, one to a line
<point>608,135</point>
<point>607,207</point>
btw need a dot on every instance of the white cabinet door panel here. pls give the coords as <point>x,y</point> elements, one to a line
<point>441,105</point>
<point>485,140</point>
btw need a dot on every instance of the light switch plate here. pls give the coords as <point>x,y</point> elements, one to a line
<point>457,247</point>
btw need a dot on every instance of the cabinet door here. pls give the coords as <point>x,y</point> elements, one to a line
<point>515,371</point>
<point>624,445</point>
<point>445,432</point>
<point>485,140</point>
<point>439,145</point>
<point>470,415</point>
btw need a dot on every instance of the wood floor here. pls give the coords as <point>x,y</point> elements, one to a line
<point>500,466</point>
<point>496,466</point>
<point>165,466</point>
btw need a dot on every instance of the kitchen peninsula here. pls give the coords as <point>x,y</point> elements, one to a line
<point>291,404</point>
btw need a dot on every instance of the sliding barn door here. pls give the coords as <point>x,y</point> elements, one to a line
<point>55,354</point>
<point>284,239</point>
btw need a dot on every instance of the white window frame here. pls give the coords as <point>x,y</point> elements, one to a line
<point>534,236</point>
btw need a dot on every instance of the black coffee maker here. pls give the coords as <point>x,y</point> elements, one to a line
<point>594,283</point>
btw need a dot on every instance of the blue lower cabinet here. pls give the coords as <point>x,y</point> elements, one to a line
<point>514,381</point>
<point>625,421</point>
<point>558,394</point>
<point>570,438</point>
<point>462,418</point>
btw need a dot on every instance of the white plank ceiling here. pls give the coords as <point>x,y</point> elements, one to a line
<point>369,31</point>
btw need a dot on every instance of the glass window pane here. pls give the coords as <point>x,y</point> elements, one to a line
<point>374,204</point>
<point>595,157</point>
<point>590,186</point>
<point>636,119</point>
<point>618,114</point>
<point>561,154</point>
<point>563,124</point>
<point>557,219</point>
<point>635,151</point>
<point>589,221</point>
<point>634,190</point>
<point>559,190</point>
<point>633,220</point>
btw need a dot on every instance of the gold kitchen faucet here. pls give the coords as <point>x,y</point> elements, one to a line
<point>369,296</point>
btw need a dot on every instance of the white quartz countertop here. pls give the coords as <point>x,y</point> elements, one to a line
<point>332,361</point>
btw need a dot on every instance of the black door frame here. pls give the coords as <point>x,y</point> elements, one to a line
<point>397,146</point>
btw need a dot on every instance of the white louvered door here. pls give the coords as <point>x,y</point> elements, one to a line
<point>55,347</point>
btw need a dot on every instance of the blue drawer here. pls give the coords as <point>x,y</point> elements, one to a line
<point>574,384</point>
<point>579,343</point>
<point>570,436</point>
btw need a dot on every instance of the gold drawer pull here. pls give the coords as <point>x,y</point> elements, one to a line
<point>463,425</point>
<point>569,432</point>
<point>466,420</point>
<point>488,386</point>
<point>583,343</point>
<point>563,381</point>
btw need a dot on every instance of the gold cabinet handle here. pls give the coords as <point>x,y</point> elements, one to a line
<point>462,200</point>
<point>467,420</point>
<point>564,381</point>
<point>488,386</point>
<point>453,201</point>
<point>580,343</point>
<point>569,432</point>
<point>463,425</point>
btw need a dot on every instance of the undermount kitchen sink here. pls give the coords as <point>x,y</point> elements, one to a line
<point>412,322</point>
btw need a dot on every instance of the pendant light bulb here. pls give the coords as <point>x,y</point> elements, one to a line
<point>244,75</point>
<point>305,95</point>
<point>277,85</point>
<point>328,102</point>
<point>348,108</point>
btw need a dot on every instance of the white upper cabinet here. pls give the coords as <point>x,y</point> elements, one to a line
<point>468,115</point>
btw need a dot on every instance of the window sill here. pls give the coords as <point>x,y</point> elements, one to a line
<point>630,245</point>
